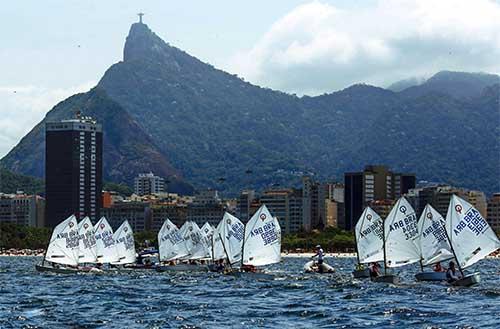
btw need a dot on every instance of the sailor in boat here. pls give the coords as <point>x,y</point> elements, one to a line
<point>452,274</point>
<point>248,268</point>
<point>220,266</point>
<point>438,268</point>
<point>320,254</point>
<point>374,270</point>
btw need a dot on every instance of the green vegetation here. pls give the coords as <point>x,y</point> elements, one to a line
<point>149,236</point>
<point>121,188</point>
<point>23,237</point>
<point>11,183</point>
<point>331,239</point>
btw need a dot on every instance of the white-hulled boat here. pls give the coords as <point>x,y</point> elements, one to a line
<point>228,242</point>
<point>62,253</point>
<point>471,238</point>
<point>368,234</point>
<point>433,244</point>
<point>125,244</point>
<point>399,245</point>
<point>261,245</point>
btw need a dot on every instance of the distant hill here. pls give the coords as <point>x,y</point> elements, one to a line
<point>166,111</point>
<point>405,84</point>
<point>11,183</point>
<point>455,84</point>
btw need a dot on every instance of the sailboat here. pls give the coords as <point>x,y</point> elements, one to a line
<point>399,245</point>
<point>196,245</point>
<point>171,247</point>
<point>470,237</point>
<point>106,250</point>
<point>125,244</point>
<point>433,244</point>
<point>261,245</point>
<point>87,253</point>
<point>62,253</point>
<point>208,231</point>
<point>369,240</point>
<point>230,232</point>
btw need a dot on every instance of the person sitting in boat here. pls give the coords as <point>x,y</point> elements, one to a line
<point>438,268</point>
<point>374,270</point>
<point>248,268</point>
<point>220,266</point>
<point>452,274</point>
<point>319,254</point>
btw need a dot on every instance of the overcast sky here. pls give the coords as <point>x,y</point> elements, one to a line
<point>52,49</point>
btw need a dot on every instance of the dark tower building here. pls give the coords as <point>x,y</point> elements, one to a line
<point>374,183</point>
<point>73,169</point>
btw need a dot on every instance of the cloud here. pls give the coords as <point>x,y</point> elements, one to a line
<point>318,47</point>
<point>22,107</point>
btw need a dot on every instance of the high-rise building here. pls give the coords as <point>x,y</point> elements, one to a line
<point>494,212</point>
<point>73,169</point>
<point>244,204</point>
<point>286,205</point>
<point>317,212</point>
<point>374,183</point>
<point>146,184</point>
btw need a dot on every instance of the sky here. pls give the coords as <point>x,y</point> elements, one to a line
<point>52,49</point>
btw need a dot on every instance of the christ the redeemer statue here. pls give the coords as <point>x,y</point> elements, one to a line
<point>140,17</point>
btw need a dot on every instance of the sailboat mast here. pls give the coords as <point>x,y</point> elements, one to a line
<point>385,253</point>
<point>453,251</point>
<point>243,244</point>
<point>356,246</point>
<point>225,251</point>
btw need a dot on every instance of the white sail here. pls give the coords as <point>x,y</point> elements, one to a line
<point>125,244</point>
<point>231,231</point>
<point>105,242</point>
<point>195,241</point>
<point>63,245</point>
<point>171,245</point>
<point>370,237</point>
<point>208,231</point>
<point>87,243</point>
<point>262,244</point>
<point>217,247</point>
<point>401,233</point>
<point>470,235</point>
<point>432,240</point>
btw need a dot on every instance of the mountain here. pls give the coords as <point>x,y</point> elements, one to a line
<point>166,111</point>
<point>11,183</point>
<point>127,148</point>
<point>455,84</point>
<point>405,84</point>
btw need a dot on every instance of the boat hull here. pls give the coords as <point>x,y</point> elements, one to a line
<point>468,280</point>
<point>389,278</point>
<point>50,269</point>
<point>182,268</point>
<point>321,269</point>
<point>359,274</point>
<point>431,276</point>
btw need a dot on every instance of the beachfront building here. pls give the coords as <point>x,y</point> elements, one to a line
<point>22,209</point>
<point>493,213</point>
<point>149,183</point>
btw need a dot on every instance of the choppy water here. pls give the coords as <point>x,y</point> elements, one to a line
<point>160,300</point>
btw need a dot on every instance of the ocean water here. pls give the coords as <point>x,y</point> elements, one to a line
<point>147,299</point>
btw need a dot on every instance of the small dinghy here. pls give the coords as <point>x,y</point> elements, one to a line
<point>361,274</point>
<point>369,242</point>
<point>313,267</point>
<point>399,235</point>
<point>431,276</point>
<point>470,237</point>
<point>433,244</point>
<point>182,268</point>
<point>387,278</point>
<point>468,280</point>
<point>62,252</point>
